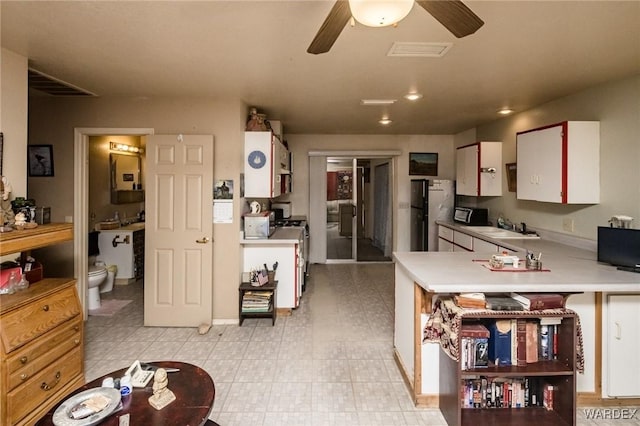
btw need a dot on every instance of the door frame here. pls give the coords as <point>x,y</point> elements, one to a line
<point>317,217</point>
<point>81,198</point>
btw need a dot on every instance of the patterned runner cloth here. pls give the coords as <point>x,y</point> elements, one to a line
<point>444,324</point>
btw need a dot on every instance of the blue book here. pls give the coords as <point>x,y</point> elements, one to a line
<point>500,342</point>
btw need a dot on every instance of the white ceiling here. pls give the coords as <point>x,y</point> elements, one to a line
<point>527,53</point>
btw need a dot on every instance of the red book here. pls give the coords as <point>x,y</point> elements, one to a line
<point>539,301</point>
<point>474,330</point>
<point>532,342</point>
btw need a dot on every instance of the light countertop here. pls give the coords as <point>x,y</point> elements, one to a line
<point>284,235</point>
<point>137,226</point>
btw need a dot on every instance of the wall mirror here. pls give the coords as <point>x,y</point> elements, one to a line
<point>126,178</point>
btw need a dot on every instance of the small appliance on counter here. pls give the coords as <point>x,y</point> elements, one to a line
<point>282,209</point>
<point>258,225</point>
<point>471,216</point>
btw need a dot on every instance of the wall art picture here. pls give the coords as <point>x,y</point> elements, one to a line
<point>223,190</point>
<point>40,160</point>
<point>423,163</point>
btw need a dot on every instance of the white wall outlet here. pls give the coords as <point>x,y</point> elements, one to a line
<point>567,224</point>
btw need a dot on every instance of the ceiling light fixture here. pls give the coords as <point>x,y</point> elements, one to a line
<point>374,102</point>
<point>385,121</point>
<point>413,96</point>
<point>115,146</point>
<point>505,111</point>
<point>380,13</point>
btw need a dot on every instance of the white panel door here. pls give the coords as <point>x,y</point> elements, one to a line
<point>179,228</point>
<point>623,335</point>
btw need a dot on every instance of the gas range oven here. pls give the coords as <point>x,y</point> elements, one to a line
<point>283,223</point>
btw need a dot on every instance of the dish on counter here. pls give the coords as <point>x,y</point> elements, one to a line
<point>62,416</point>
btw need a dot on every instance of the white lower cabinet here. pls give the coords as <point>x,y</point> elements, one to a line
<point>484,246</point>
<point>444,245</point>
<point>623,345</point>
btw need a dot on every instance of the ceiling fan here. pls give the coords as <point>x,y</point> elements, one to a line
<point>453,14</point>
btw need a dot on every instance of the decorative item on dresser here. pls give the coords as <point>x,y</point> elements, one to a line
<point>41,334</point>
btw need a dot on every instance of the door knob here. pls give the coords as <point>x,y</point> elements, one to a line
<point>203,240</point>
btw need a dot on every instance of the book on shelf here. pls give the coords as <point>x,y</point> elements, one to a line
<point>521,336</point>
<point>499,392</point>
<point>470,300</point>
<point>532,341</point>
<point>550,320</point>
<point>514,341</point>
<point>539,301</point>
<point>503,303</point>
<point>500,342</point>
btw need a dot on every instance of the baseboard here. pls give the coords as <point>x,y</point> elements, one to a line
<point>420,400</point>
<point>224,321</point>
<point>592,399</point>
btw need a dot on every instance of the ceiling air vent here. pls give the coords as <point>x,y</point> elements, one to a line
<point>52,86</point>
<point>419,49</point>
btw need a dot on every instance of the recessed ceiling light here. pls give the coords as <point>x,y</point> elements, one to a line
<point>385,121</point>
<point>374,102</point>
<point>505,111</point>
<point>413,96</point>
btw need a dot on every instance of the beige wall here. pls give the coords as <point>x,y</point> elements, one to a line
<point>53,121</point>
<point>617,106</point>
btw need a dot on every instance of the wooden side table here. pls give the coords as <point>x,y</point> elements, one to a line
<point>270,313</point>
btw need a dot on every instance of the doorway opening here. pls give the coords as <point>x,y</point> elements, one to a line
<point>358,219</point>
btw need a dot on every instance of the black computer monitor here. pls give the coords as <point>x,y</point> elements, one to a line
<point>619,247</point>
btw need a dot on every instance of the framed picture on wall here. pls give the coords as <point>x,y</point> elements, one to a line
<point>423,163</point>
<point>40,160</point>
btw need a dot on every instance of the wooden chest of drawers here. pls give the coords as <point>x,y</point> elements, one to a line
<point>41,331</point>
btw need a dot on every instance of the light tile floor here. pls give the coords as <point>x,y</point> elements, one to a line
<point>329,363</point>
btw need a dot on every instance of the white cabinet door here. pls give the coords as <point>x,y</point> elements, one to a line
<point>260,165</point>
<point>444,245</point>
<point>560,163</point>
<point>623,346</point>
<point>479,169</point>
<point>287,274</point>
<point>483,246</point>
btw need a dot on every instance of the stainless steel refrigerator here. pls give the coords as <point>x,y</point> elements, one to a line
<point>431,200</point>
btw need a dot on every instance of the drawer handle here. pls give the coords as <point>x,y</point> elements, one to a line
<point>46,387</point>
<point>77,342</point>
<point>24,360</point>
<point>45,308</point>
<point>76,327</point>
<point>24,376</point>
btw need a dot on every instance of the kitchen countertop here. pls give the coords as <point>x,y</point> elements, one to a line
<point>571,269</point>
<point>137,226</point>
<point>284,235</point>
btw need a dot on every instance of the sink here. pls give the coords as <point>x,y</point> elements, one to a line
<point>493,232</point>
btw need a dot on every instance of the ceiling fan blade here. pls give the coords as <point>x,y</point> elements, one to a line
<point>454,15</point>
<point>331,28</point>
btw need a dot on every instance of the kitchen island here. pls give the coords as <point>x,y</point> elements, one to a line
<point>423,277</point>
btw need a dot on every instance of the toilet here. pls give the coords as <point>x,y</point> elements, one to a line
<point>97,273</point>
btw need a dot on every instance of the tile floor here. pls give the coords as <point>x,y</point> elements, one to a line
<point>330,363</point>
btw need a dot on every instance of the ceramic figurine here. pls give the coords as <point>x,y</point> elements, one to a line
<point>162,396</point>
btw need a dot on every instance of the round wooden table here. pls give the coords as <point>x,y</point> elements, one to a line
<point>192,386</point>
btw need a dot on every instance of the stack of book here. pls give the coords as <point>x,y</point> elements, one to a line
<point>257,301</point>
<point>470,300</point>
<point>523,341</point>
<point>539,301</point>
<point>475,346</point>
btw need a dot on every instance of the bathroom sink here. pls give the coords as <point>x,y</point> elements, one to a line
<point>493,232</point>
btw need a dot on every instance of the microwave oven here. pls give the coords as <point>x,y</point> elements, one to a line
<point>258,225</point>
<point>284,208</point>
<point>471,216</point>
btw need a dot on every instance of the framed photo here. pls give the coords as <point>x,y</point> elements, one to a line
<point>40,160</point>
<point>423,163</point>
<point>512,176</point>
<point>223,190</point>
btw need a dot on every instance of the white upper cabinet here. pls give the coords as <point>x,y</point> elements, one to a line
<point>560,163</point>
<point>479,169</point>
<point>266,162</point>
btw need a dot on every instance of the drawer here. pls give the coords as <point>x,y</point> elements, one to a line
<point>43,386</point>
<point>29,360</point>
<point>446,233</point>
<point>22,326</point>
<point>463,240</point>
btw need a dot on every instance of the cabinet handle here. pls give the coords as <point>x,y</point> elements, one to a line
<point>24,376</point>
<point>45,308</point>
<point>76,327</point>
<point>77,342</point>
<point>203,240</point>
<point>618,335</point>
<point>24,360</point>
<point>46,387</point>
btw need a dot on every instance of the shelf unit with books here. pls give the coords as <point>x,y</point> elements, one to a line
<point>267,292</point>
<point>557,375</point>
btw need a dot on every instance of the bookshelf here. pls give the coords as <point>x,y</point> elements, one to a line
<point>246,289</point>
<point>559,373</point>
